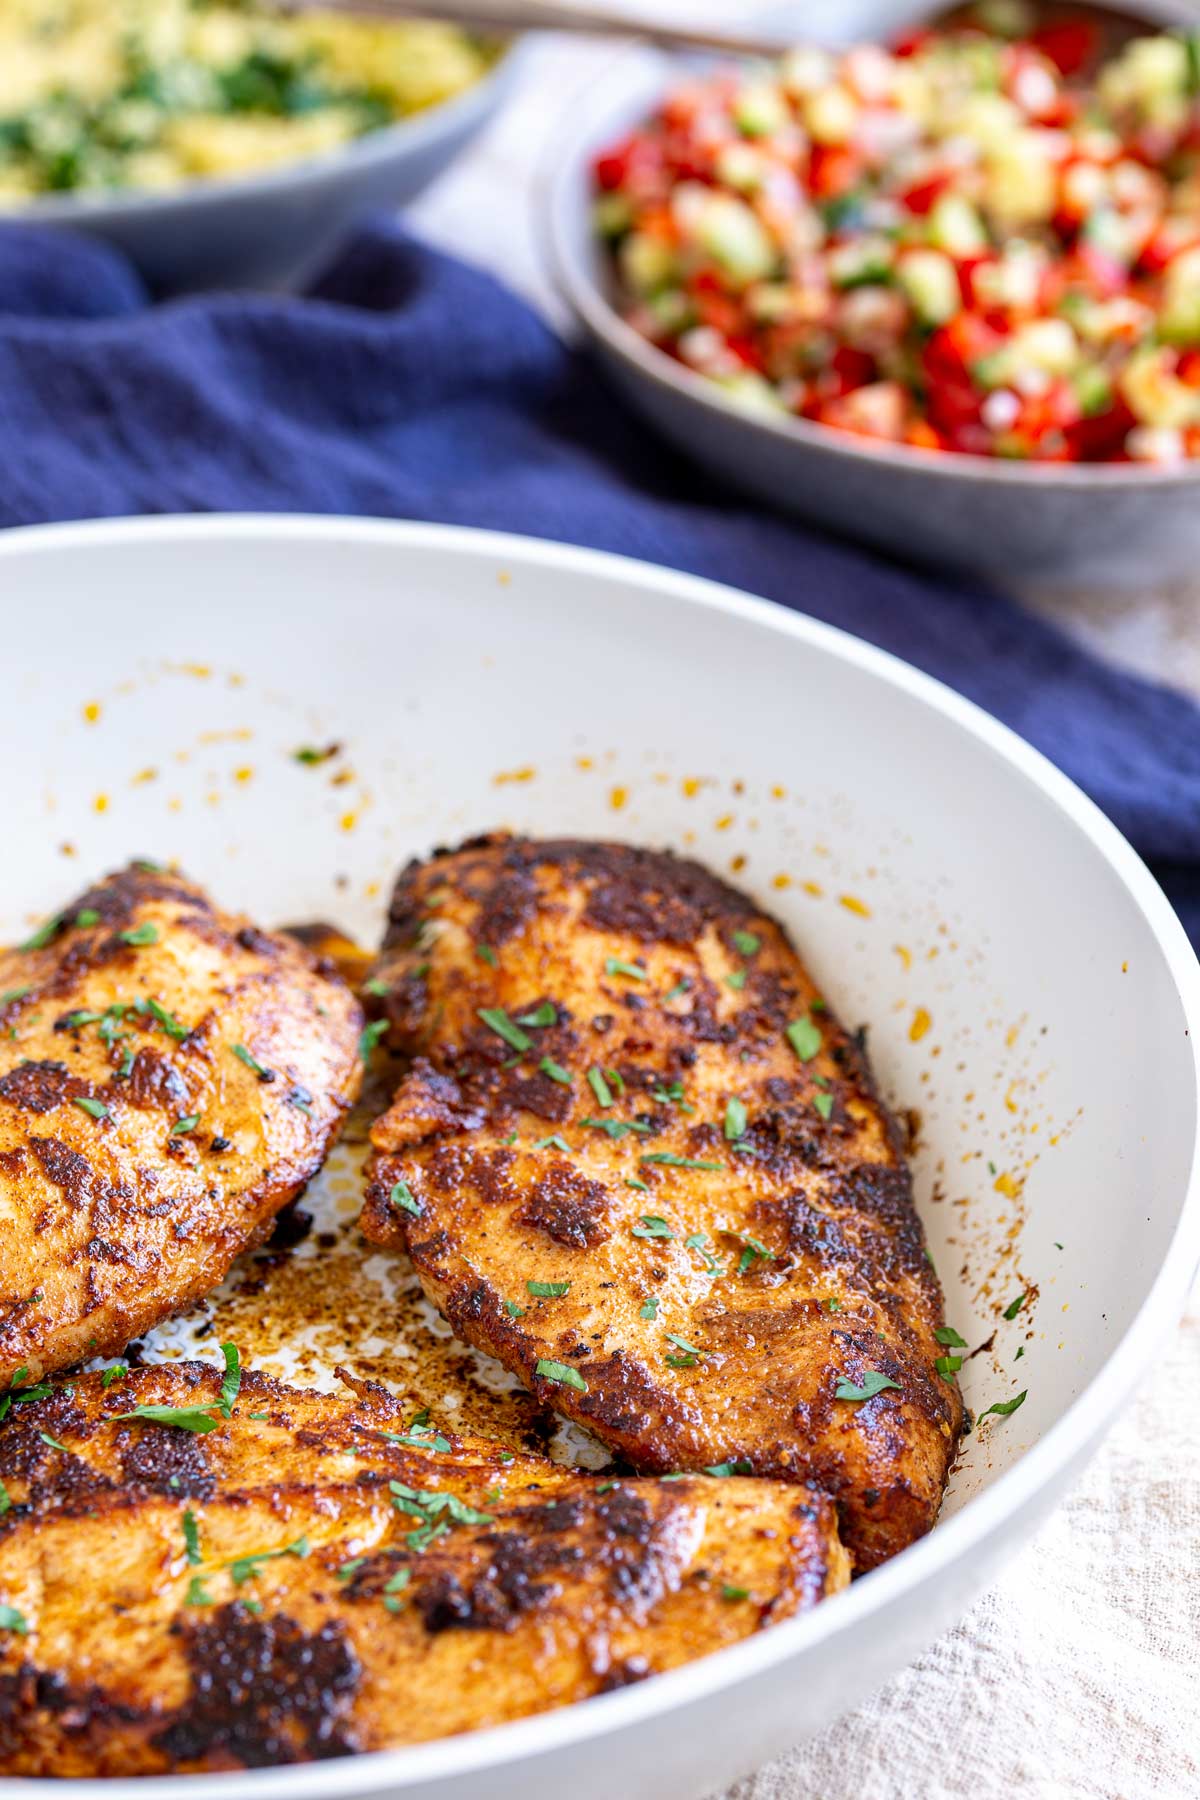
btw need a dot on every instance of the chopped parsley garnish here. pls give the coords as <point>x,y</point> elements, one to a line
<point>682,1344</point>
<point>245,1568</point>
<point>541,1016</point>
<point>679,990</point>
<point>873,1383</point>
<point>616,1128</point>
<point>649,1307</point>
<point>96,1108</point>
<point>427,1507</point>
<point>946,1334</point>
<point>12,1620</point>
<point>197,1594</point>
<point>184,1418</point>
<point>804,1038</point>
<point>948,1365</point>
<point>734,1593</point>
<point>643,1187</point>
<point>823,1104</point>
<point>168,1021</point>
<point>733,1467</point>
<point>547,1290</point>
<point>396,1584</point>
<point>191,1538</point>
<point>310,756</point>
<point>348,1570</point>
<point>1005,1407</point>
<point>513,1310</point>
<point>671,1161</point>
<point>1010,1312</point>
<point>486,954</point>
<point>44,934</point>
<point>402,1196</point>
<point>555,1071</point>
<point>687,1361</point>
<point>614,966</point>
<point>561,1373</point>
<point>699,1242</point>
<point>14,994</point>
<point>420,1435</point>
<point>5,1500</point>
<point>140,935</point>
<point>600,1087</point>
<point>753,1252</point>
<point>231,1381</point>
<point>301,1099</point>
<point>87,918</point>
<point>370,1037</point>
<point>252,1063</point>
<point>497,1020</point>
<point>554,1142</point>
<point>23,1396</point>
<point>376,987</point>
<point>52,1441</point>
<point>77,1020</point>
<point>735,1120</point>
<point>746,944</point>
<point>736,980</point>
<point>181,1127</point>
<point>652,1227</point>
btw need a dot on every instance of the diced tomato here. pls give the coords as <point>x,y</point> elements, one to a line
<point>853,368</point>
<point>1070,43</point>
<point>911,41</point>
<point>1189,368</point>
<point>920,198</point>
<point>1102,437</point>
<point>954,348</point>
<point>833,171</point>
<point>921,434</point>
<point>611,167</point>
<point>720,311</point>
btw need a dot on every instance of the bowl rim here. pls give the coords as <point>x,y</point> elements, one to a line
<point>102,206</point>
<point>564,175</point>
<point>956,1542</point>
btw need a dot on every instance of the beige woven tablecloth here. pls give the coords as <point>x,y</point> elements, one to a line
<point>1077,1677</point>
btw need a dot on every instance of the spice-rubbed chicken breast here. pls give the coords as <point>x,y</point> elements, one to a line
<point>170,1076</point>
<point>318,1575</point>
<point>638,1160</point>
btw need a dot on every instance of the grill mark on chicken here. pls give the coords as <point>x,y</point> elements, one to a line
<point>730,1208</point>
<point>378,1571</point>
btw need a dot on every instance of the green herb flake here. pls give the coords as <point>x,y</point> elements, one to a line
<point>560,1373</point>
<point>231,1381</point>
<point>513,1310</point>
<point>191,1538</point>
<point>600,1088</point>
<point>746,944</point>
<point>649,1307</point>
<point>398,1582</point>
<point>554,1142</point>
<point>402,1197</point>
<point>52,1441</point>
<point>736,1466</point>
<point>735,1120</point>
<point>44,934</point>
<point>614,966</point>
<point>370,1037</point>
<point>245,1568</point>
<point>643,1187</point>
<point>1010,1312</point>
<point>946,1334</point>
<point>679,990</point>
<point>14,994</point>
<point>5,1500</point>
<point>184,1418</point>
<point>947,1366</point>
<point>823,1105</point>
<point>734,1593</point>
<point>348,1570</point>
<point>804,1038</point>
<point>1005,1407</point>
<point>310,756</point>
<point>252,1063</point>
<point>197,1594</point>
<point>873,1383</point>
<point>140,935</point>
<point>181,1127</point>
<point>540,1017</point>
<point>497,1020</point>
<point>652,1226</point>
<point>682,1344</point>
<point>377,988</point>
<point>555,1071</point>
<point>1020,1353</point>
<point>669,1159</point>
<point>753,1252</point>
<point>115,1372</point>
<point>686,1361</point>
<point>87,918</point>
<point>547,1290</point>
<point>96,1109</point>
<point>12,1620</point>
<point>736,980</point>
<point>487,955</point>
<point>615,1128</point>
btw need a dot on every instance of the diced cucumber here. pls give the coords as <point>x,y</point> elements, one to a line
<point>1093,390</point>
<point>931,282</point>
<point>735,237</point>
<point>612,215</point>
<point>646,263</point>
<point>760,111</point>
<point>862,263</point>
<point>956,227</point>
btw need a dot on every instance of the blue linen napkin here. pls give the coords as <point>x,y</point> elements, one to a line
<point>409,385</point>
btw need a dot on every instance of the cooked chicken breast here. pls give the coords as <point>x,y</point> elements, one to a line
<point>638,1160</point>
<point>317,1575</point>
<point>170,1076</point>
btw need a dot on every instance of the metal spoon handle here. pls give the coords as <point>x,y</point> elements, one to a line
<point>548,15</point>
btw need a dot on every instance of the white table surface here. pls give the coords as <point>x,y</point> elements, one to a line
<point>1077,1677</point>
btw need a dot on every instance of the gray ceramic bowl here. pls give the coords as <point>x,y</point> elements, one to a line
<point>267,230</point>
<point>1050,525</point>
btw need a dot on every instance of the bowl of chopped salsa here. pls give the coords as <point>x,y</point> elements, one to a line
<point>940,289</point>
